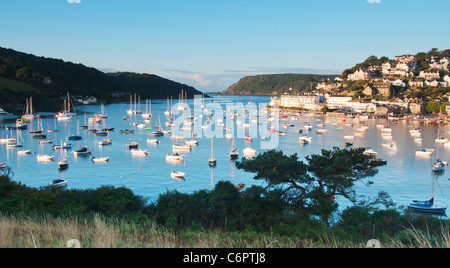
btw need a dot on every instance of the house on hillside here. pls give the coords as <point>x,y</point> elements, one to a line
<point>359,75</point>
<point>383,88</point>
<point>370,91</point>
<point>415,84</point>
<point>429,75</point>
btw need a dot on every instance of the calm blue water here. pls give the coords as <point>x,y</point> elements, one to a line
<point>406,176</point>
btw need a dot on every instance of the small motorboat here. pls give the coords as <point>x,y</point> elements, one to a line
<point>424,152</point>
<point>102,133</point>
<point>75,138</point>
<point>133,145</point>
<point>40,136</point>
<point>63,146</point>
<point>174,157</point>
<point>2,165</point>
<point>60,183</point>
<point>83,151</point>
<point>45,157</point>
<point>191,142</point>
<point>153,141</point>
<point>181,147</point>
<point>23,152</point>
<point>177,174</point>
<point>100,159</point>
<point>303,140</point>
<point>139,152</point>
<point>105,142</point>
<point>157,133</point>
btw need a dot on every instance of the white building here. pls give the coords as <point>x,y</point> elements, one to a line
<point>304,101</point>
<point>405,58</point>
<point>433,83</point>
<point>359,75</point>
<point>447,79</point>
<point>359,106</point>
<point>442,65</point>
<point>429,75</point>
<point>328,86</point>
<point>337,101</point>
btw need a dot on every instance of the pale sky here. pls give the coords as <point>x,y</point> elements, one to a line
<point>211,44</point>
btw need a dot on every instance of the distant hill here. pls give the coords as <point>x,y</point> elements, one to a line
<point>275,84</point>
<point>23,75</point>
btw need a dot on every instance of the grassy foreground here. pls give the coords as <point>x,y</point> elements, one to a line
<point>99,232</point>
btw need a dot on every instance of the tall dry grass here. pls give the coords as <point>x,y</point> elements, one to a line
<point>99,232</point>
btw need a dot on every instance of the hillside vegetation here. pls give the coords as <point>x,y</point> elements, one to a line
<point>46,80</point>
<point>275,84</point>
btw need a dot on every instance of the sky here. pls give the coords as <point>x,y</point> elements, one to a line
<point>211,44</point>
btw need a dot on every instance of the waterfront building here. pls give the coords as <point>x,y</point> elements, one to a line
<point>307,101</point>
<point>336,101</point>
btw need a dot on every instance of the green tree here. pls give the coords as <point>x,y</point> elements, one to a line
<point>433,107</point>
<point>314,185</point>
<point>23,74</point>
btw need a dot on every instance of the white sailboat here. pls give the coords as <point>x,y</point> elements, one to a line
<point>234,153</point>
<point>68,109</point>
<point>148,111</point>
<point>169,110</point>
<point>136,109</point>
<point>212,161</point>
<point>15,143</point>
<point>63,162</point>
<point>181,105</point>
<point>428,206</point>
<point>29,114</point>
<point>438,165</point>
<point>102,112</point>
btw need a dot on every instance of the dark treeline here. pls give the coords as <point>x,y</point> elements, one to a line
<point>273,210</point>
<point>53,78</point>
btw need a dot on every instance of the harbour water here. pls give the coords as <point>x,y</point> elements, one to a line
<point>406,176</point>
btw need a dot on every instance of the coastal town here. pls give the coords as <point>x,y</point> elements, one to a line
<point>396,88</point>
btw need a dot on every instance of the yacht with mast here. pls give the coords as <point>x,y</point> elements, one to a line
<point>212,161</point>
<point>29,114</point>
<point>234,153</point>
<point>148,111</point>
<point>136,110</point>
<point>68,109</point>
